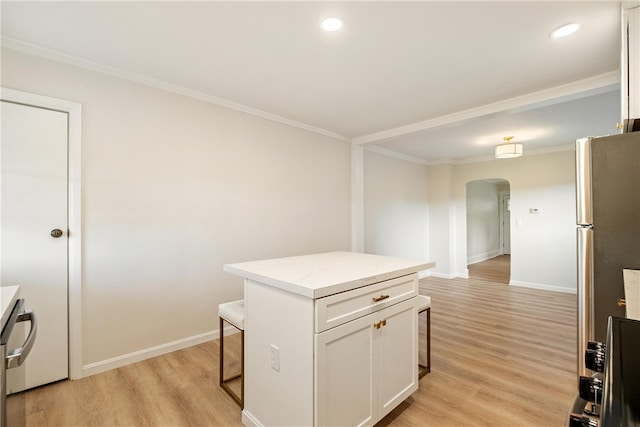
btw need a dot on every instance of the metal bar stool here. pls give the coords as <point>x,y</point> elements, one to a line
<point>424,304</point>
<point>232,313</point>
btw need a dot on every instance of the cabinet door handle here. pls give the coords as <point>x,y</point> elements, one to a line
<point>380,298</point>
<point>379,324</point>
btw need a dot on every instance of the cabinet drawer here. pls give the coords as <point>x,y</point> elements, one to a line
<point>337,309</point>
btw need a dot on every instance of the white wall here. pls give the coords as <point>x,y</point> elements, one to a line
<point>543,248</point>
<point>396,207</point>
<point>441,219</point>
<point>173,188</point>
<point>483,221</point>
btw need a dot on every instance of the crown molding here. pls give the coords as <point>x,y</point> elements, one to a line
<point>528,153</point>
<point>575,90</point>
<point>36,50</point>
<point>395,154</point>
<point>591,86</point>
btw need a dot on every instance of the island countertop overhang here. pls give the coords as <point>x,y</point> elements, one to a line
<point>320,275</point>
<point>8,296</point>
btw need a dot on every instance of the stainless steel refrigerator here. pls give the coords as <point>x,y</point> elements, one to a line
<point>608,217</point>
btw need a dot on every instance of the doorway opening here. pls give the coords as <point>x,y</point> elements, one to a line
<point>488,204</point>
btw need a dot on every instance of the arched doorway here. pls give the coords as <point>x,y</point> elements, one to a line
<point>488,204</point>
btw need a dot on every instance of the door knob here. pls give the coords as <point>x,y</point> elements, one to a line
<point>56,232</point>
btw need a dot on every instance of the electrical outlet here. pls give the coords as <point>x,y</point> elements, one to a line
<point>275,358</point>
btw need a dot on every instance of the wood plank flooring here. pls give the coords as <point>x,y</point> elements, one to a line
<point>501,356</point>
<point>496,269</point>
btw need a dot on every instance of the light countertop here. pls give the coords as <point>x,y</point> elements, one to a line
<point>8,297</point>
<point>320,275</point>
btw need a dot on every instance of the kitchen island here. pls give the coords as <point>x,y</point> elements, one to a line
<point>8,297</point>
<point>330,339</point>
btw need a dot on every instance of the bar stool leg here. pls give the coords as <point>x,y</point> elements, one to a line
<point>428,368</point>
<point>221,382</point>
<point>242,369</point>
<point>425,369</point>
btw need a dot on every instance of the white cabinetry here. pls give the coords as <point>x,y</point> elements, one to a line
<point>630,62</point>
<point>366,367</point>
<point>330,339</point>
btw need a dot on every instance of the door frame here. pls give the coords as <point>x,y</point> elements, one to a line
<point>501,196</point>
<point>74,200</point>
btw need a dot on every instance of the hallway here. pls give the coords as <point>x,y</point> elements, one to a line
<point>496,269</point>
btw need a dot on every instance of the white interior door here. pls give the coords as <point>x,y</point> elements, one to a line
<point>505,223</point>
<point>34,202</point>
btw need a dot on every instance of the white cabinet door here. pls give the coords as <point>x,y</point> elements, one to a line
<point>397,355</point>
<point>345,383</point>
<point>364,371</point>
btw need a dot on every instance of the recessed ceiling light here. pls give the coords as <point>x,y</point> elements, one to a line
<point>332,24</point>
<point>564,31</point>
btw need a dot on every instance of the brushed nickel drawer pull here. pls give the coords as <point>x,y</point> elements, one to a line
<point>380,298</point>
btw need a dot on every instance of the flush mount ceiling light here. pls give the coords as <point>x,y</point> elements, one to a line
<point>564,31</point>
<point>509,150</point>
<point>331,24</point>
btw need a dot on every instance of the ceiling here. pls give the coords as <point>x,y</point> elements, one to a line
<point>435,81</point>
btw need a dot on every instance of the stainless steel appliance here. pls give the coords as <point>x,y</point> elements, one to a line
<point>613,388</point>
<point>608,218</point>
<point>12,359</point>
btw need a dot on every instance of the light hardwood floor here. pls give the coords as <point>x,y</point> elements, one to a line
<point>496,269</point>
<point>501,356</point>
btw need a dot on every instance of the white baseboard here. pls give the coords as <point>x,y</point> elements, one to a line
<point>543,287</point>
<point>483,257</point>
<point>147,353</point>
<point>441,275</point>
<point>424,273</point>
<point>249,420</point>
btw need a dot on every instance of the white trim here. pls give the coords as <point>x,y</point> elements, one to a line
<point>249,420</point>
<point>574,90</point>
<point>74,111</point>
<point>503,208</point>
<point>483,257</point>
<point>357,199</point>
<point>630,60</point>
<point>395,154</point>
<point>552,288</point>
<point>53,55</point>
<point>491,158</point>
<point>424,273</point>
<point>137,356</point>
<point>440,275</point>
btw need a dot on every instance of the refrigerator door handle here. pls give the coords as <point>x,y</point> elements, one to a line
<point>584,206</point>
<point>586,321</point>
<point>17,356</point>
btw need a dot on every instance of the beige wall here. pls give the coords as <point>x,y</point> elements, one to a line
<point>441,219</point>
<point>543,247</point>
<point>483,221</point>
<point>396,207</point>
<point>173,188</point>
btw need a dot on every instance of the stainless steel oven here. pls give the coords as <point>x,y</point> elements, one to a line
<point>12,407</point>
<point>610,396</point>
